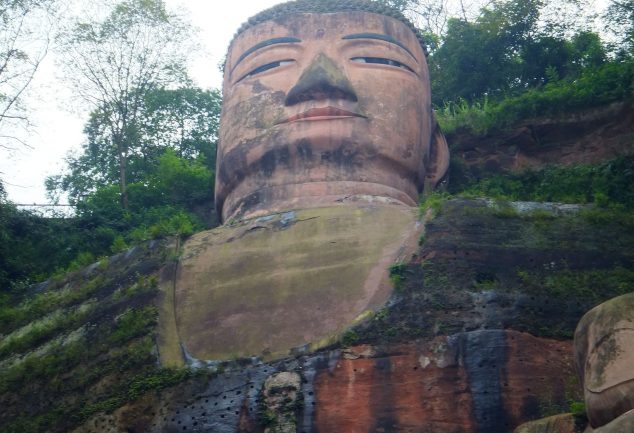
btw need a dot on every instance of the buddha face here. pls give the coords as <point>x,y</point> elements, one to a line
<point>317,107</point>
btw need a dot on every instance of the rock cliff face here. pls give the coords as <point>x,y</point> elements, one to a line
<point>532,267</point>
<point>583,138</point>
<point>82,344</point>
<point>479,381</point>
<point>474,338</point>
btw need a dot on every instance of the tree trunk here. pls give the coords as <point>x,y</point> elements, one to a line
<point>123,187</point>
<point>123,162</point>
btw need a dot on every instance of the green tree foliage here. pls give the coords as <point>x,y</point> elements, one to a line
<point>610,82</point>
<point>546,58</point>
<point>504,52</point>
<point>620,19</point>
<point>184,120</point>
<point>31,246</point>
<point>482,57</point>
<point>170,189</point>
<point>114,62</point>
<point>174,198</point>
<point>606,183</point>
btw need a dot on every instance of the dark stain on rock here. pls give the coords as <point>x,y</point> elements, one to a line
<point>233,167</point>
<point>343,156</point>
<point>250,201</point>
<point>483,354</point>
<point>530,407</point>
<point>382,400</point>
<point>258,87</point>
<point>304,149</point>
<point>271,159</point>
<point>268,163</point>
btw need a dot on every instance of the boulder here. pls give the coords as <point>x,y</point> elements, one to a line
<point>604,354</point>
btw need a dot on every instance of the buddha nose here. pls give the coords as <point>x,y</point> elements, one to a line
<point>322,79</point>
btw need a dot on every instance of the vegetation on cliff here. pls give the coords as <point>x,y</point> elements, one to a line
<point>609,82</point>
<point>83,343</point>
<point>607,184</point>
<point>489,69</point>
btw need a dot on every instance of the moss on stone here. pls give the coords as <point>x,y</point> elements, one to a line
<point>526,266</point>
<point>268,285</point>
<point>94,351</point>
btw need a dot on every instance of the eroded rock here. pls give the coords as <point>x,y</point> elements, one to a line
<point>564,423</point>
<point>604,353</point>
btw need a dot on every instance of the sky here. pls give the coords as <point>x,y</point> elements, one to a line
<point>58,121</point>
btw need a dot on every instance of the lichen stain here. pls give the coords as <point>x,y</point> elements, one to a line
<point>272,158</point>
<point>608,351</point>
<point>304,149</point>
<point>345,156</point>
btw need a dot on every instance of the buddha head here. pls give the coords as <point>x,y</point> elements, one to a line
<point>325,101</point>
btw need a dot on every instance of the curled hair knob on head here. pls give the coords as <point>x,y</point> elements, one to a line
<point>330,6</point>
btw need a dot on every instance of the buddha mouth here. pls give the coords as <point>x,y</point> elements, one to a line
<point>324,113</point>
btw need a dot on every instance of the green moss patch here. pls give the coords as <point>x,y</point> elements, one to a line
<point>83,345</point>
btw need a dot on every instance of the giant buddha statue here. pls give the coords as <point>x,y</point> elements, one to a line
<point>323,101</point>
<point>604,354</point>
<point>327,140</point>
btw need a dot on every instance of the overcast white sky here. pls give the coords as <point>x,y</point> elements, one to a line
<point>58,125</point>
<point>58,128</point>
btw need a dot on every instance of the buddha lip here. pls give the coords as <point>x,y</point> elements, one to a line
<point>323,113</point>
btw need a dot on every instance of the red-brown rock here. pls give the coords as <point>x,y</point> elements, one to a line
<point>483,381</point>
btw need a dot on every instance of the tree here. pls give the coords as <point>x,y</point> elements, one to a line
<point>114,62</point>
<point>24,41</point>
<point>620,18</point>
<point>482,57</point>
<point>184,120</point>
<point>565,58</point>
<point>170,183</point>
<point>432,16</point>
<point>510,48</point>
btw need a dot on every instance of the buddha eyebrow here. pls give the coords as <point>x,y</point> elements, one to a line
<point>259,45</point>
<point>380,37</point>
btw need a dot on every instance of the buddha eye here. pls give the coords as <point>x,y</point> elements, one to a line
<point>382,61</point>
<point>265,68</point>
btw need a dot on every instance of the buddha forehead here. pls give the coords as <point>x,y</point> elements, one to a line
<point>331,31</point>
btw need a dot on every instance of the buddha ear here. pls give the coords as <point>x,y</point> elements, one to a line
<point>438,161</point>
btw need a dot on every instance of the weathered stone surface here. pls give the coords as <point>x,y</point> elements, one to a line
<point>475,382</point>
<point>622,424</point>
<point>582,138</point>
<point>483,381</point>
<point>280,402</point>
<point>475,275</point>
<point>272,284</point>
<point>604,353</point>
<point>78,342</point>
<point>487,265</point>
<point>308,120</point>
<point>564,423</point>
